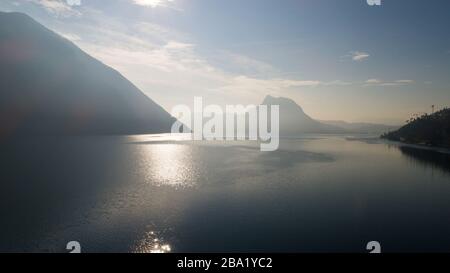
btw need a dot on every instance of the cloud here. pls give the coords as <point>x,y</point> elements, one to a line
<point>59,8</point>
<point>178,45</point>
<point>373,81</point>
<point>70,36</point>
<point>73,2</point>
<point>377,82</point>
<point>243,64</point>
<point>337,83</point>
<point>404,81</point>
<point>358,56</point>
<point>176,68</point>
<point>152,3</point>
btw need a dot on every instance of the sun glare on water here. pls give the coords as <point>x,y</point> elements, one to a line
<point>151,244</point>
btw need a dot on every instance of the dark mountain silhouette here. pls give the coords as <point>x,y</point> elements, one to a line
<point>294,121</point>
<point>432,130</point>
<point>49,86</point>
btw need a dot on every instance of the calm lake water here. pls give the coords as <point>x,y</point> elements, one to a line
<point>160,193</point>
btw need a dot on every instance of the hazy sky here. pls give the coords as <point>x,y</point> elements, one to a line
<point>339,60</point>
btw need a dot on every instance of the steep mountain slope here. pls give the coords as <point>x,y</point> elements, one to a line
<point>49,86</point>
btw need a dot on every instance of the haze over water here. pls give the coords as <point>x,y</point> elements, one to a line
<point>163,193</point>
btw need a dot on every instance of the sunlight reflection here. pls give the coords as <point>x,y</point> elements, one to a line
<point>168,164</point>
<point>152,244</point>
<point>160,137</point>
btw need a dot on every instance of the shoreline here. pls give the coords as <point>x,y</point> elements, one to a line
<point>439,149</point>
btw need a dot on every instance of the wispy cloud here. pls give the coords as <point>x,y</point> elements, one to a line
<point>152,3</point>
<point>60,8</point>
<point>70,36</point>
<point>404,81</point>
<point>337,83</point>
<point>355,56</point>
<point>73,2</point>
<point>373,81</point>
<point>378,82</point>
<point>359,56</point>
<point>243,64</point>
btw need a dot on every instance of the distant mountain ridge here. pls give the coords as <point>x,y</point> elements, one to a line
<point>294,121</point>
<point>50,86</point>
<point>361,127</point>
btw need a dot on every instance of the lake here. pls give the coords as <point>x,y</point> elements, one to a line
<point>154,193</point>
